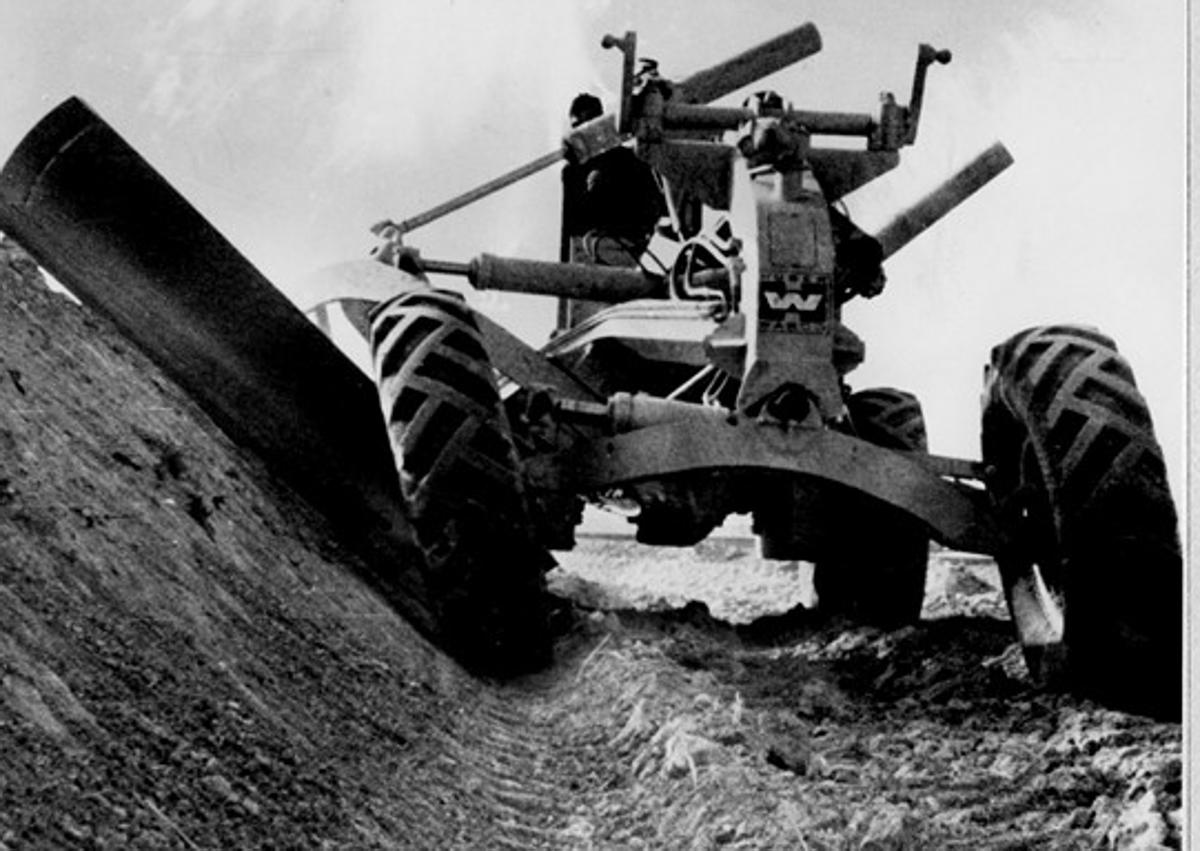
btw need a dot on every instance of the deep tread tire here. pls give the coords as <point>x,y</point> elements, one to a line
<point>888,417</point>
<point>461,482</point>
<point>1079,482</point>
<point>877,573</point>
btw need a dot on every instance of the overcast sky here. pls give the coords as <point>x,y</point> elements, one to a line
<point>294,126</point>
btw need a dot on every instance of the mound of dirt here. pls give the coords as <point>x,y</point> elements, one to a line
<point>189,659</point>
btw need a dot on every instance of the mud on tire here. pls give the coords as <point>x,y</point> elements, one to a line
<point>460,479</point>
<point>877,572</point>
<point>1094,577</point>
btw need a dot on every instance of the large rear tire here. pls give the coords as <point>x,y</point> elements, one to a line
<point>461,482</point>
<point>877,573</point>
<point>1094,577</point>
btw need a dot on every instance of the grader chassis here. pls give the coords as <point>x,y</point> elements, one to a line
<point>712,385</point>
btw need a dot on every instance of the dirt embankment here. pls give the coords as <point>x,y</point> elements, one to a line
<point>186,657</point>
<point>187,660</point>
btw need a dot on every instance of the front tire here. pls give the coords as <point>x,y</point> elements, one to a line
<point>1094,576</point>
<point>461,482</point>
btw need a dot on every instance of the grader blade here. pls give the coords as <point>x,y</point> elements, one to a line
<point>100,219</point>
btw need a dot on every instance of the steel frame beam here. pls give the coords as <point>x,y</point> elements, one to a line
<point>958,516</point>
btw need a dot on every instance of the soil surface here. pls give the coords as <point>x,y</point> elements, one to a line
<point>188,659</point>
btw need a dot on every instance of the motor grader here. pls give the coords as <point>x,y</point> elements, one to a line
<point>703,378</point>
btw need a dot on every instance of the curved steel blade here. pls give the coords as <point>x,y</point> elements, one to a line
<point>108,226</point>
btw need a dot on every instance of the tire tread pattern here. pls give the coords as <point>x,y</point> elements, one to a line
<point>461,480</point>
<point>1063,381</point>
<point>1063,397</point>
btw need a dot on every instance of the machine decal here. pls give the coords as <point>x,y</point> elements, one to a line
<point>794,304</point>
<point>794,301</point>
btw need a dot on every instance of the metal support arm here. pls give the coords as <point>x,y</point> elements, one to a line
<point>957,516</point>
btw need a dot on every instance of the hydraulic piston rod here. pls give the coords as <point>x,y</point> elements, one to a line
<point>751,65</point>
<point>607,284</point>
<point>972,177</point>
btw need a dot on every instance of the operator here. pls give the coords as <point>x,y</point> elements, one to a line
<point>613,201</point>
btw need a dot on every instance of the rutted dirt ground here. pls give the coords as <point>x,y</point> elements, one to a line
<point>188,659</point>
<point>924,737</point>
